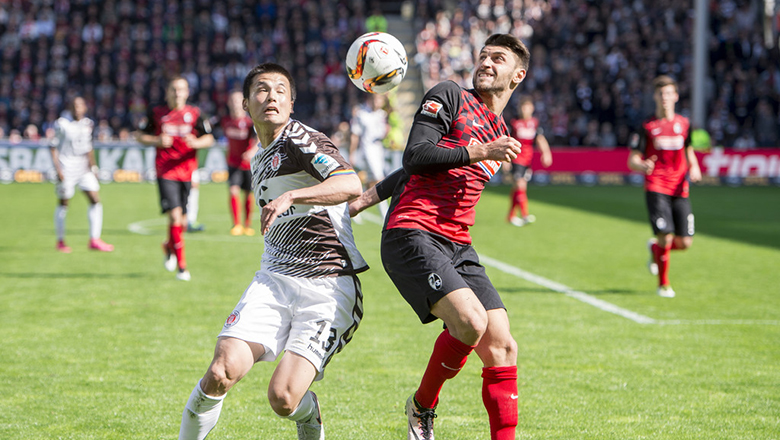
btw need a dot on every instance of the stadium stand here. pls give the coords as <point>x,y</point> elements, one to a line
<point>592,62</point>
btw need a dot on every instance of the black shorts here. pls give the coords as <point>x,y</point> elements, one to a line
<point>425,267</point>
<point>173,194</point>
<point>521,172</point>
<point>239,177</point>
<point>670,214</point>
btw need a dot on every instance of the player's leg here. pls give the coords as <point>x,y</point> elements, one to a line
<point>659,208</point>
<point>90,186</point>
<point>192,207</point>
<point>290,397</point>
<point>520,175</point>
<point>498,351</point>
<point>235,210</point>
<point>683,224</point>
<point>249,201</point>
<point>233,358</point>
<point>64,190</point>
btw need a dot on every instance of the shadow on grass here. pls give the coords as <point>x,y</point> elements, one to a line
<point>31,275</point>
<point>747,214</point>
<point>504,290</point>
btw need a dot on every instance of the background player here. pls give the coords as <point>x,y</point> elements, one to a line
<point>242,145</point>
<point>662,150</point>
<point>177,130</point>
<point>369,127</point>
<point>525,129</point>
<point>456,144</point>
<point>74,161</point>
<point>305,300</point>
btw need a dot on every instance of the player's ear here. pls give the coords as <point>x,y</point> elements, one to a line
<point>518,77</point>
<point>245,104</point>
<point>292,107</point>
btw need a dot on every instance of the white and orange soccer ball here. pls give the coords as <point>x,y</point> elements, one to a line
<point>376,62</point>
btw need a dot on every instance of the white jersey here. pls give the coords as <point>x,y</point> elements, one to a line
<point>307,241</point>
<point>73,140</point>
<point>369,125</point>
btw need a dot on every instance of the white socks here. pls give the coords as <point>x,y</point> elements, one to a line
<point>304,409</point>
<point>95,216</point>
<point>200,415</point>
<point>192,206</point>
<point>59,221</point>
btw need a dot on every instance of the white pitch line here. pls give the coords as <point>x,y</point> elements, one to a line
<point>589,299</point>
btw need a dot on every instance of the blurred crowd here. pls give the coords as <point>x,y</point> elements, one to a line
<point>118,54</point>
<point>592,63</point>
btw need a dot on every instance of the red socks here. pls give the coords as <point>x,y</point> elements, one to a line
<point>448,357</point>
<point>176,243</point>
<point>248,210</point>
<point>234,209</point>
<point>519,200</point>
<point>499,394</point>
<point>662,258</point>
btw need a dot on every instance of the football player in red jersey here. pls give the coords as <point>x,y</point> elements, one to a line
<point>242,145</point>
<point>177,130</point>
<point>662,150</point>
<point>457,143</point>
<point>525,129</point>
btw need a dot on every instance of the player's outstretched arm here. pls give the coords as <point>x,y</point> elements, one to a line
<point>331,191</point>
<point>381,191</point>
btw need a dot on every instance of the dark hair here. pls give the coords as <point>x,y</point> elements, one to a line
<point>512,43</point>
<point>525,99</point>
<point>267,68</point>
<point>663,81</point>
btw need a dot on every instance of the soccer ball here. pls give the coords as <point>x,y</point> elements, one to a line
<point>376,62</point>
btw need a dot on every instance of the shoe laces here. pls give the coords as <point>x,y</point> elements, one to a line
<point>426,417</point>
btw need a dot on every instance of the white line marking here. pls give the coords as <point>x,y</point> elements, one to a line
<point>154,226</point>
<point>589,299</point>
<point>568,291</point>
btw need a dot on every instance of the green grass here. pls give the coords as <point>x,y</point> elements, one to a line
<point>109,346</point>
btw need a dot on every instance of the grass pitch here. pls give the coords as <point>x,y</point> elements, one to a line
<point>109,346</point>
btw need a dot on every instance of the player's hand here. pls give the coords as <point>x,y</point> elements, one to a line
<point>503,149</point>
<point>274,209</point>
<point>694,173</point>
<point>546,160</point>
<point>60,176</point>
<point>166,141</point>
<point>649,164</point>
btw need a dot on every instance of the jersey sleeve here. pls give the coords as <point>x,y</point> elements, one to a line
<point>638,141</point>
<point>320,162</point>
<point>433,120</point>
<point>149,124</point>
<point>202,126</point>
<point>59,135</point>
<point>688,137</point>
<point>385,188</point>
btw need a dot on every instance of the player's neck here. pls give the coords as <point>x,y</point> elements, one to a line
<point>267,133</point>
<point>662,113</point>
<point>495,101</point>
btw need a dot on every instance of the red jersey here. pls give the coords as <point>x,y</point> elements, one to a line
<point>178,161</point>
<point>437,199</point>
<point>239,135</point>
<point>525,131</point>
<point>667,140</point>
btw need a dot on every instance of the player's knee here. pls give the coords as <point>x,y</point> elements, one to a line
<point>504,351</point>
<point>217,380</point>
<point>684,243</point>
<point>470,328</point>
<point>281,400</point>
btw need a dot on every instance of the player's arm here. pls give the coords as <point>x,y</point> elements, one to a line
<point>694,172</point>
<point>146,134</point>
<point>92,162</point>
<point>56,141</point>
<point>381,191</point>
<point>636,158</point>
<point>331,191</point>
<point>544,149</point>
<point>204,139</point>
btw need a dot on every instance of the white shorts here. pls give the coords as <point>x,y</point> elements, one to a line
<point>312,317</point>
<point>371,158</point>
<point>86,181</point>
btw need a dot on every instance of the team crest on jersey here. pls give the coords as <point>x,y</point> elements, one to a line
<point>431,108</point>
<point>677,128</point>
<point>187,117</point>
<point>276,161</point>
<point>232,319</point>
<point>434,280</point>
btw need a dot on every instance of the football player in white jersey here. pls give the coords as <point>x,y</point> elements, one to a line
<point>74,161</point>
<point>305,303</point>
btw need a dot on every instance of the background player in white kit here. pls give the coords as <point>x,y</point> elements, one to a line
<point>306,299</point>
<point>74,161</point>
<point>369,127</point>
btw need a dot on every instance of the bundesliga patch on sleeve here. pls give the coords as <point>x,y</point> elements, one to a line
<point>324,164</point>
<point>431,108</point>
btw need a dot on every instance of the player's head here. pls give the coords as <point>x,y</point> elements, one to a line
<point>177,92</point>
<point>269,94</point>
<point>501,65</point>
<point>78,107</point>
<point>665,94</point>
<point>236,104</point>
<point>526,106</point>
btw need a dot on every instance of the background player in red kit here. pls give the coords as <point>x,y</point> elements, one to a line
<point>456,144</point>
<point>242,145</point>
<point>662,150</point>
<point>177,130</point>
<point>525,129</point>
